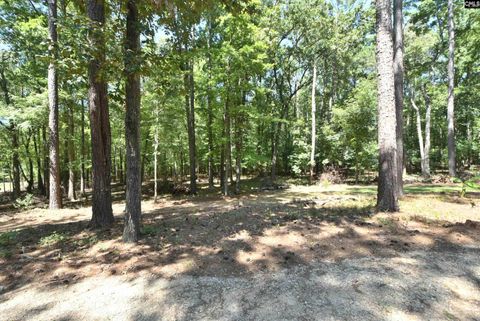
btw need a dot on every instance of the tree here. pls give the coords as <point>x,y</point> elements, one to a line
<point>387,199</point>
<point>423,143</point>
<point>398,69</point>
<point>102,215</point>
<point>55,194</point>
<point>314,124</point>
<point>451,94</point>
<point>132,126</point>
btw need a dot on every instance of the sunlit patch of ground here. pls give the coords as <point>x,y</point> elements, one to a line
<point>254,232</point>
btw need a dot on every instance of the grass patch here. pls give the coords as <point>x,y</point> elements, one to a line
<point>87,241</point>
<point>150,230</point>
<point>53,239</point>
<point>8,238</point>
<point>5,254</point>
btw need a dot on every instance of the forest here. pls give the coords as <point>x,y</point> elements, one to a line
<point>187,138</point>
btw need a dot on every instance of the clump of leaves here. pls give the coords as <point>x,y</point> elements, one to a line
<point>25,202</point>
<point>8,238</point>
<point>89,240</point>
<point>149,230</point>
<point>52,239</point>
<point>472,183</point>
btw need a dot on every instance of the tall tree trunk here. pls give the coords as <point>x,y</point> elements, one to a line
<point>228,147</point>
<point>132,126</point>
<point>420,137</point>
<point>222,165</point>
<point>210,111</point>
<point>399,75</point>
<point>313,125</point>
<point>15,162</point>
<point>155,156</point>
<point>428,117</point>
<point>239,143</point>
<point>190,112</point>
<point>30,179</point>
<point>46,161</point>
<point>451,94</point>
<point>40,184</point>
<point>55,195</point>
<point>83,154</point>
<point>273,173</point>
<point>387,199</point>
<point>71,155</point>
<point>102,215</point>
<point>121,166</point>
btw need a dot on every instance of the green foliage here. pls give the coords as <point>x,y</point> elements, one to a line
<point>472,183</point>
<point>149,230</point>
<point>8,238</point>
<point>53,238</point>
<point>25,202</point>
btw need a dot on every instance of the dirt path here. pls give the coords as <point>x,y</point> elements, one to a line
<point>417,285</point>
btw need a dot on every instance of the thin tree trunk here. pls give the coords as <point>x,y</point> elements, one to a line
<point>83,154</point>
<point>133,198</point>
<point>451,94</point>
<point>428,112</point>
<point>71,155</point>
<point>273,173</point>
<point>190,112</point>
<point>228,147</point>
<point>210,109</point>
<point>155,156</point>
<point>313,125</point>
<point>121,166</point>
<point>399,75</point>
<point>420,137</point>
<point>222,166</point>
<point>239,144</point>
<point>55,194</point>
<point>30,179</point>
<point>102,215</point>
<point>387,199</point>
<point>40,184</point>
<point>46,160</point>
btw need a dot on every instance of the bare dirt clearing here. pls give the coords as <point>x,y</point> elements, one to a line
<point>304,253</point>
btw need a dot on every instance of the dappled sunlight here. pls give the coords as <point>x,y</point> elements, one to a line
<point>245,237</point>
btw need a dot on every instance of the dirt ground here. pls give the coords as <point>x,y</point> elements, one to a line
<point>304,253</point>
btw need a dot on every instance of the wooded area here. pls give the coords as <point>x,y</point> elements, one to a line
<point>351,113</point>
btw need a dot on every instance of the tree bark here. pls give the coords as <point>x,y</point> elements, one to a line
<point>102,215</point>
<point>46,161</point>
<point>71,155</point>
<point>30,179</point>
<point>420,137</point>
<point>387,199</point>
<point>398,69</point>
<point>428,117</point>
<point>239,143</point>
<point>133,206</point>
<point>155,156</point>
<point>313,125</point>
<point>209,109</point>
<point>55,195</point>
<point>451,94</point>
<point>190,112</point>
<point>228,147</point>
<point>40,183</point>
<point>83,153</point>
